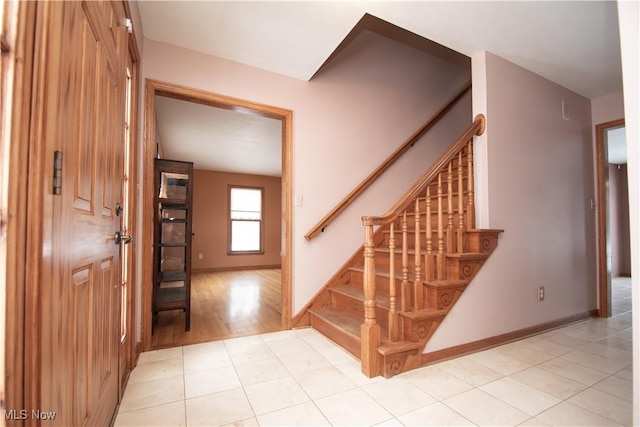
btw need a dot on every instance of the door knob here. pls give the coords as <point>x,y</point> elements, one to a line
<point>121,238</point>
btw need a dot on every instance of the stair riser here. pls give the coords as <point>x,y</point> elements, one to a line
<point>347,342</point>
<point>354,306</point>
<point>382,282</point>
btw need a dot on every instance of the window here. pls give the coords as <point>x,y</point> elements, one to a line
<point>245,219</point>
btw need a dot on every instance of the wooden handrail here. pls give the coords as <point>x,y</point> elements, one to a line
<point>322,224</point>
<point>476,128</point>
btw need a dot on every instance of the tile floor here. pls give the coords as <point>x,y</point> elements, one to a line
<point>579,375</point>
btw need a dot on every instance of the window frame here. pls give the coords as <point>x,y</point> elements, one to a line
<point>230,221</point>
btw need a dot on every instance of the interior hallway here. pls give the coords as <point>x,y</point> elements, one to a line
<point>577,375</point>
<point>224,304</point>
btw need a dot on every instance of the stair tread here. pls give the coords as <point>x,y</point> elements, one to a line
<point>356,292</point>
<point>388,348</point>
<point>467,255</point>
<point>425,313</point>
<point>444,283</point>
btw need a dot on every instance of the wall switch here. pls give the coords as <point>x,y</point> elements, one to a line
<point>540,293</point>
<point>298,200</point>
<point>199,256</point>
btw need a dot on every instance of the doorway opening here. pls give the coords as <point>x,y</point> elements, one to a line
<point>612,212</point>
<point>155,89</point>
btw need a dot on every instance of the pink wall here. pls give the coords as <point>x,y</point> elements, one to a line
<point>346,122</point>
<point>619,221</point>
<point>539,179</point>
<point>210,221</point>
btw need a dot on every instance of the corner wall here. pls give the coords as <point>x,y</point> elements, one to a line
<point>539,177</point>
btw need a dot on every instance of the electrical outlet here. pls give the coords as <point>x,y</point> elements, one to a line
<point>199,256</point>
<point>540,293</point>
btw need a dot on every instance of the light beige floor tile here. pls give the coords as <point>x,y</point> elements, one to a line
<point>250,351</point>
<point>606,405</point>
<point>435,414</point>
<point>242,341</point>
<point>303,361</point>
<point>212,381</point>
<point>393,422</point>
<point>573,371</point>
<point>521,396</point>
<point>498,360</point>
<point>533,422</point>
<point>484,409</point>
<point>225,407</point>
<point>305,414</point>
<point>549,382</point>
<point>318,341</point>
<point>398,396</point>
<point>270,396</point>
<point>469,371</point>
<point>544,345</point>
<point>437,382</point>
<point>167,415</point>
<point>253,372</point>
<point>353,371</point>
<point>616,386</point>
<point>290,345</point>
<point>568,414</point>
<point>157,369</point>
<point>203,357</point>
<point>336,355</point>
<point>324,382</point>
<point>609,352</point>
<point>152,393</point>
<point>626,373</point>
<point>280,335</point>
<point>250,422</point>
<point>590,360</point>
<point>558,337</point>
<point>163,354</point>
<point>352,408</point>
<point>529,355</point>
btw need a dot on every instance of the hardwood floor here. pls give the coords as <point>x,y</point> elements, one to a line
<point>224,304</point>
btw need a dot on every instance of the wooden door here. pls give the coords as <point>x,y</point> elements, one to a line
<point>79,287</point>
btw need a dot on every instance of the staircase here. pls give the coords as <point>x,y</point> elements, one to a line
<point>388,300</point>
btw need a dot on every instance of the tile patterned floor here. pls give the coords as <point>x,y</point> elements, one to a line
<point>579,375</point>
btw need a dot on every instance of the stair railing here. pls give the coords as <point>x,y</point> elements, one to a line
<point>356,192</point>
<point>450,238</point>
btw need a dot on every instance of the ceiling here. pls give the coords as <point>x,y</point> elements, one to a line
<point>572,43</point>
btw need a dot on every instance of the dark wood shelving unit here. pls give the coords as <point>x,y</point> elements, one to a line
<point>172,238</point>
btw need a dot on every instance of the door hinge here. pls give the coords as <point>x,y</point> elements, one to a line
<point>128,25</point>
<point>57,172</point>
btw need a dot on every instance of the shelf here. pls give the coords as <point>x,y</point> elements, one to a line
<point>172,276</point>
<point>171,245</point>
<point>170,295</point>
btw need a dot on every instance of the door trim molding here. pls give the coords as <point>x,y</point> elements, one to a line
<point>602,220</point>
<point>155,87</point>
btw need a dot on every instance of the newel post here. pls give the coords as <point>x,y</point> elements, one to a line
<point>370,330</point>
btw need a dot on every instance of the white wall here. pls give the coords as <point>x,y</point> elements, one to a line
<point>629,21</point>
<point>539,175</point>
<point>346,122</point>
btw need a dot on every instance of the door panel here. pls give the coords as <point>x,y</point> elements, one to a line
<point>83,119</point>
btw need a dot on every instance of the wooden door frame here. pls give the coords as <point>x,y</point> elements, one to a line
<point>155,87</point>
<point>602,220</point>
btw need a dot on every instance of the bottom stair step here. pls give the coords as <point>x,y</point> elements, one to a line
<point>339,326</point>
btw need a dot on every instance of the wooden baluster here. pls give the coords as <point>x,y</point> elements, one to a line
<point>406,293</point>
<point>460,241</point>
<point>393,313</point>
<point>471,210</point>
<point>428,261</point>
<point>417,282</point>
<point>440,256</point>
<point>370,329</point>
<point>450,239</point>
